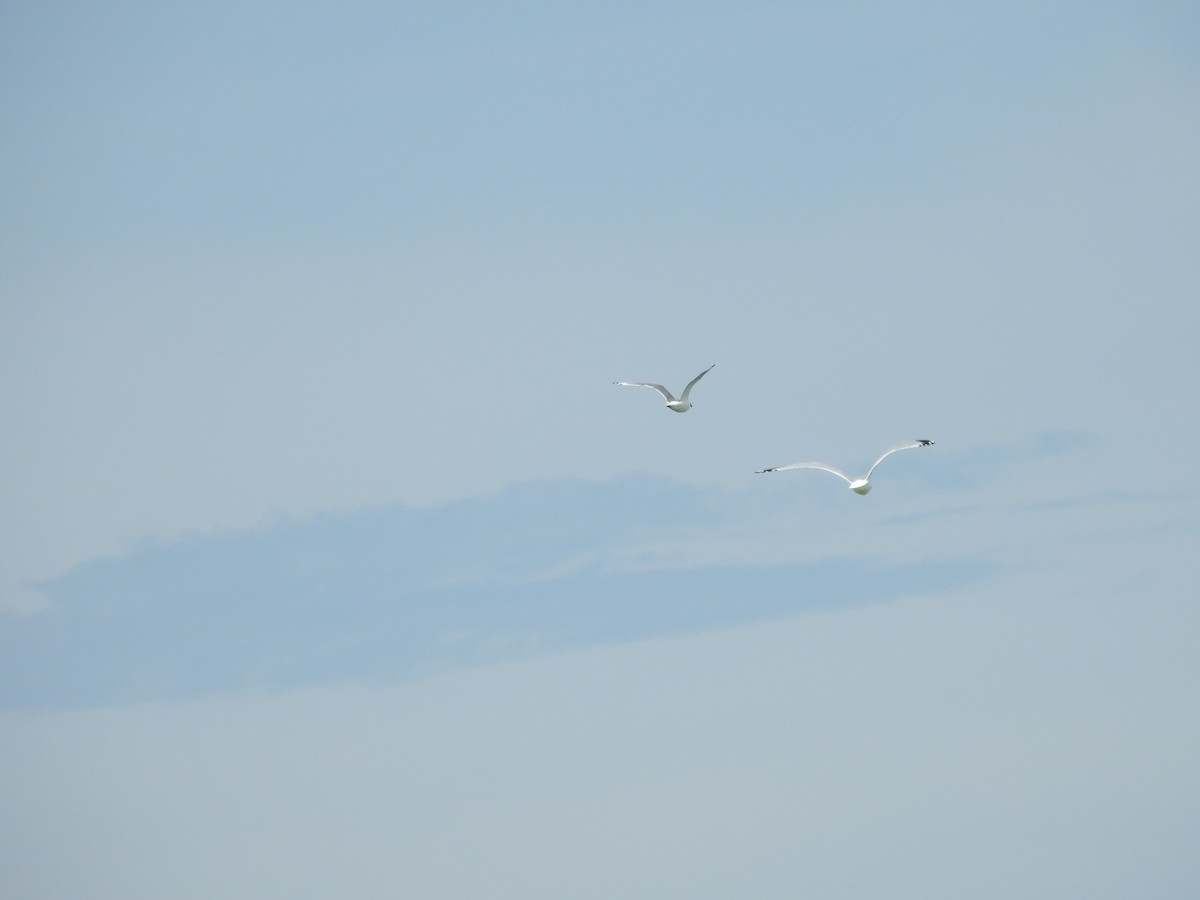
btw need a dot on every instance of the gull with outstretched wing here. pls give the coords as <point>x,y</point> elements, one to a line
<point>683,404</point>
<point>858,485</point>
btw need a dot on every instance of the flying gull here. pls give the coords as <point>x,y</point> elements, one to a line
<point>858,485</point>
<point>681,405</point>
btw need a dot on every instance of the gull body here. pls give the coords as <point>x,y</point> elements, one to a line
<point>680,405</point>
<point>858,485</point>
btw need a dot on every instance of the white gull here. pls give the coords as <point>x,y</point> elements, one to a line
<point>681,405</point>
<point>858,485</point>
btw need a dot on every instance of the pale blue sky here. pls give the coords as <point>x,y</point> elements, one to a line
<point>329,545</point>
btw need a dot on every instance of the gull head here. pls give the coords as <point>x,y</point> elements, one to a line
<point>860,486</point>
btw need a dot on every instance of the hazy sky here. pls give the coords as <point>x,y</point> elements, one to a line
<point>333,562</point>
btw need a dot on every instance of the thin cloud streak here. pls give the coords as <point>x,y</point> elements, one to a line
<point>397,594</point>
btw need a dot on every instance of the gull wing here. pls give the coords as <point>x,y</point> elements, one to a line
<point>824,467</point>
<point>905,445</point>
<point>687,390</point>
<point>658,387</point>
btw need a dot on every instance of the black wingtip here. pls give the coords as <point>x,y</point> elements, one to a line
<point>924,443</point>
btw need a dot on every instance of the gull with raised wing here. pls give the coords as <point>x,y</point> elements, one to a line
<point>858,485</point>
<point>683,404</point>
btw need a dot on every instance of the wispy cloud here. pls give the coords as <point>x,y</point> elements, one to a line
<point>977,466</point>
<point>396,593</point>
